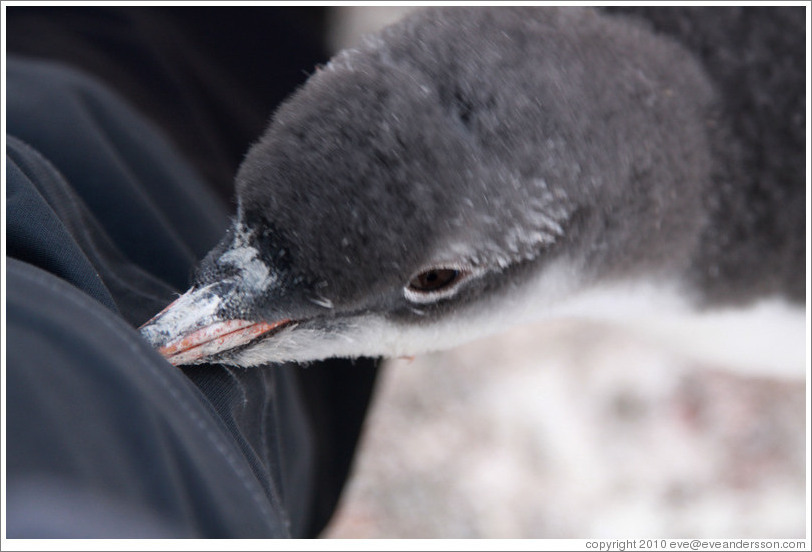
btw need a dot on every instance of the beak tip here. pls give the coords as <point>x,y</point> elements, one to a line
<point>199,343</point>
<point>191,329</point>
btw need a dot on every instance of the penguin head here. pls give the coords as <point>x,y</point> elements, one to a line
<point>454,175</point>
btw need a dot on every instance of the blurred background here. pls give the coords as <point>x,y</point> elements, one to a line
<point>572,430</point>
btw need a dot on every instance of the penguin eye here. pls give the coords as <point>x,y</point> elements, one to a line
<point>434,279</point>
<point>434,283</point>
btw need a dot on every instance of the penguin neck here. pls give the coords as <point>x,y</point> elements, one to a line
<point>762,337</point>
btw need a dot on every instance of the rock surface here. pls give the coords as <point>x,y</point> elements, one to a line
<point>577,430</point>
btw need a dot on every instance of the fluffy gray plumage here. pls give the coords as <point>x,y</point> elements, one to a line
<point>755,243</point>
<point>664,144</point>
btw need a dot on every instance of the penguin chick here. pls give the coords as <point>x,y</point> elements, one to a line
<point>470,169</point>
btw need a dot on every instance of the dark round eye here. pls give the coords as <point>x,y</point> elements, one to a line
<point>434,279</point>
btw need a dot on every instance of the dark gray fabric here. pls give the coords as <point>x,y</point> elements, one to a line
<point>96,418</point>
<point>208,79</point>
<point>104,437</point>
<point>118,164</point>
<point>207,76</point>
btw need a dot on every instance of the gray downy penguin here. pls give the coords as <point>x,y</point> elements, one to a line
<point>466,170</point>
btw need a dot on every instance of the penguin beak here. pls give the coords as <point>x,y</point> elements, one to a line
<point>191,329</point>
